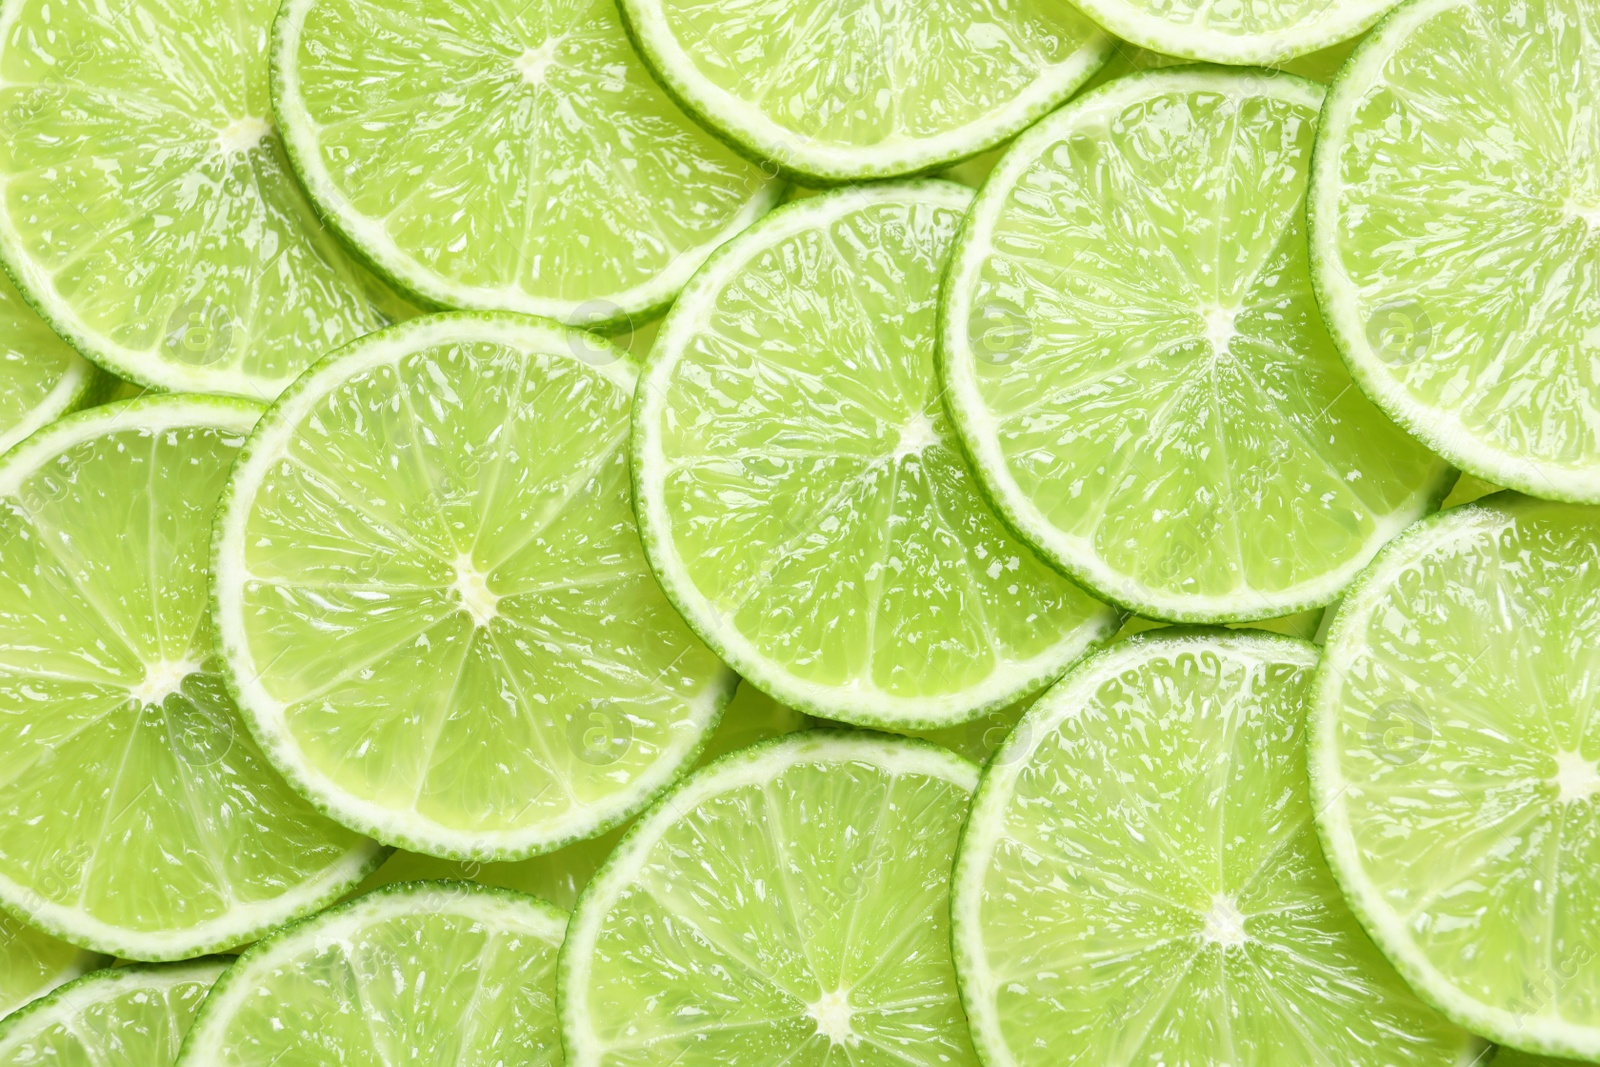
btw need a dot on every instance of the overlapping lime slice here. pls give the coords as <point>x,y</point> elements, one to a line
<point>137,817</point>
<point>1136,364</point>
<point>1139,881</point>
<point>32,963</point>
<point>41,377</point>
<point>1455,228</point>
<point>1268,33</point>
<point>1455,759</point>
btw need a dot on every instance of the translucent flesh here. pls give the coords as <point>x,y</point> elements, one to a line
<point>1467,686</point>
<point>151,818</point>
<point>146,197</point>
<point>1466,232</point>
<point>32,963</point>
<point>34,367</point>
<point>511,150</point>
<point>815,491</point>
<point>1153,891</point>
<point>513,465</point>
<point>116,1019</point>
<point>1236,20</point>
<point>1198,436</point>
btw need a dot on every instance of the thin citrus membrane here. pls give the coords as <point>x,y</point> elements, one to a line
<point>1267,33</point>
<point>44,378</point>
<point>32,963</point>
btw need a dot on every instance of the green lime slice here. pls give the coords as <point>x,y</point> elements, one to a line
<point>32,963</point>
<point>1455,227</point>
<point>1455,758</point>
<point>1135,361</point>
<point>1139,881</point>
<point>147,210</point>
<point>802,497</point>
<point>1267,33</point>
<point>137,817</point>
<point>441,972</point>
<point>1510,1057</point>
<point>41,377</point>
<point>787,904</point>
<point>868,90</point>
<point>449,500</point>
<point>118,1017</point>
<point>505,155</point>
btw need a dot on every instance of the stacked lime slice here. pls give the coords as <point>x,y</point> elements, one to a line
<point>1139,880</point>
<point>433,602</point>
<point>136,815</point>
<point>1263,33</point>
<point>428,972</point>
<point>1455,224</point>
<point>832,92</point>
<point>44,378</point>
<point>146,208</point>
<point>785,905</point>
<point>801,493</point>
<point>32,963</point>
<point>1137,366</point>
<point>1455,757</point>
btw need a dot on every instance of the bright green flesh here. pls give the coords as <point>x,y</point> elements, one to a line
<point>426,973</point>
<point>1456,753</point>
<point>41,377</point>
<point>1262,32</point>
<point>1140,883</point>
<point>450,500</point>
<point>136,815</point>
<point>1136,362</point>
<point>1456,234</point>
<point>155,252</point>
<point>792,892</point>
<point>802,495</point>
<point>126,1017</point>
<point>501,154</point>
<point>838,90</point>
<point>32,963</point>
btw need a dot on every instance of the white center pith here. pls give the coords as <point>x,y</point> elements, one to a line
<point>831,1012</point>
<point>1224,923</point>
<point>241,135</point>
<point>1589,214</point>
<point>535,62</point>
<point>916,436</point>
<point>162,679</point>
<point>1221,328</point>
<point>1577,779</point>
<point>472,587</point>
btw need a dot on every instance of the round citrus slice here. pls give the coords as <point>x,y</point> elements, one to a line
<point>41,377</point>
<point>137,817</point>
<point>500,154</point>
<point>118,1017</point>
<point>1455,232</point>
<point>32,963</point>
<point>147,210</point>
<point>1455,760</point>
<point>427,972</point>
<point>866,90</point>
<point>1139,881</point>
<point>787,904</point>
<point>1267,33</point>
<point>802,496</point>
<point>432,599</point>
<point>1136,364</point>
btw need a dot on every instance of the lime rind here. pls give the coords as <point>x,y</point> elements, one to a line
<point>78,383</point>
<point>32,963</point>
<point>1337,21</point>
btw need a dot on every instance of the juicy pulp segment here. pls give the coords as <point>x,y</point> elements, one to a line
<point>44,378</point>
<point>32,963</point>
<point>1264,33</point>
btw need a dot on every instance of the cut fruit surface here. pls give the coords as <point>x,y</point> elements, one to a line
<point>1455,232</point>
<point>1455,757</point>
<point>118,1017</point>
<point>432,598</point>
<point>802,497</point>
<point>427,972</point>
<point>137,817</point>
<point>1267,33</point>
<point>787,904</point>
<point>832,91</point>
<point>1137,367</point>
<point>32,963</point>
<point>147,209</point>
<point>1139,881</point>
<point>503,155</point>
<point>41,377</point>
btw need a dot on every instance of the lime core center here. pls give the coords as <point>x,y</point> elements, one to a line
<point>1224,924</point>
<point>1589,214</point>
<point>241,135</point>
<point>1577,779</point>
<point>1221,327</point>
<point>472,587</point>
<point>832,1015</point>
<point>533,63</point>
<point>916,436</point>
<point>162,679</point>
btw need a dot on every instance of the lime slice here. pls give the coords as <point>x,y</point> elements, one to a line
<point>147,210</point>
<point>1455,757</point>
<point>137,818</point>
<point>505,154</point>
<point>1137,367</point>
<point>787,904</point>
<point>1510,1057</point>
<point>41,377</point>
<point>866,90</point>
<point>118,1017</point>
<point>1139,881</point>
<point>1267,33</point>
<point>32,963</point>
<point>1455,227</point>
<point>449,500</point>
<point>428,972</point>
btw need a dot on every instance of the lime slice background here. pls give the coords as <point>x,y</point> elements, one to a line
<point>1273,33</point>
<point>1455,223</point>
<point>146,207</point>
<point>44,378</point>
<point>1237,473</point>
<point>881,89</point>
<point>428,969</point>
<point>32,963</point>
<point>790,892</point>
<point>1454,712</point>
<point>1139,880</point>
